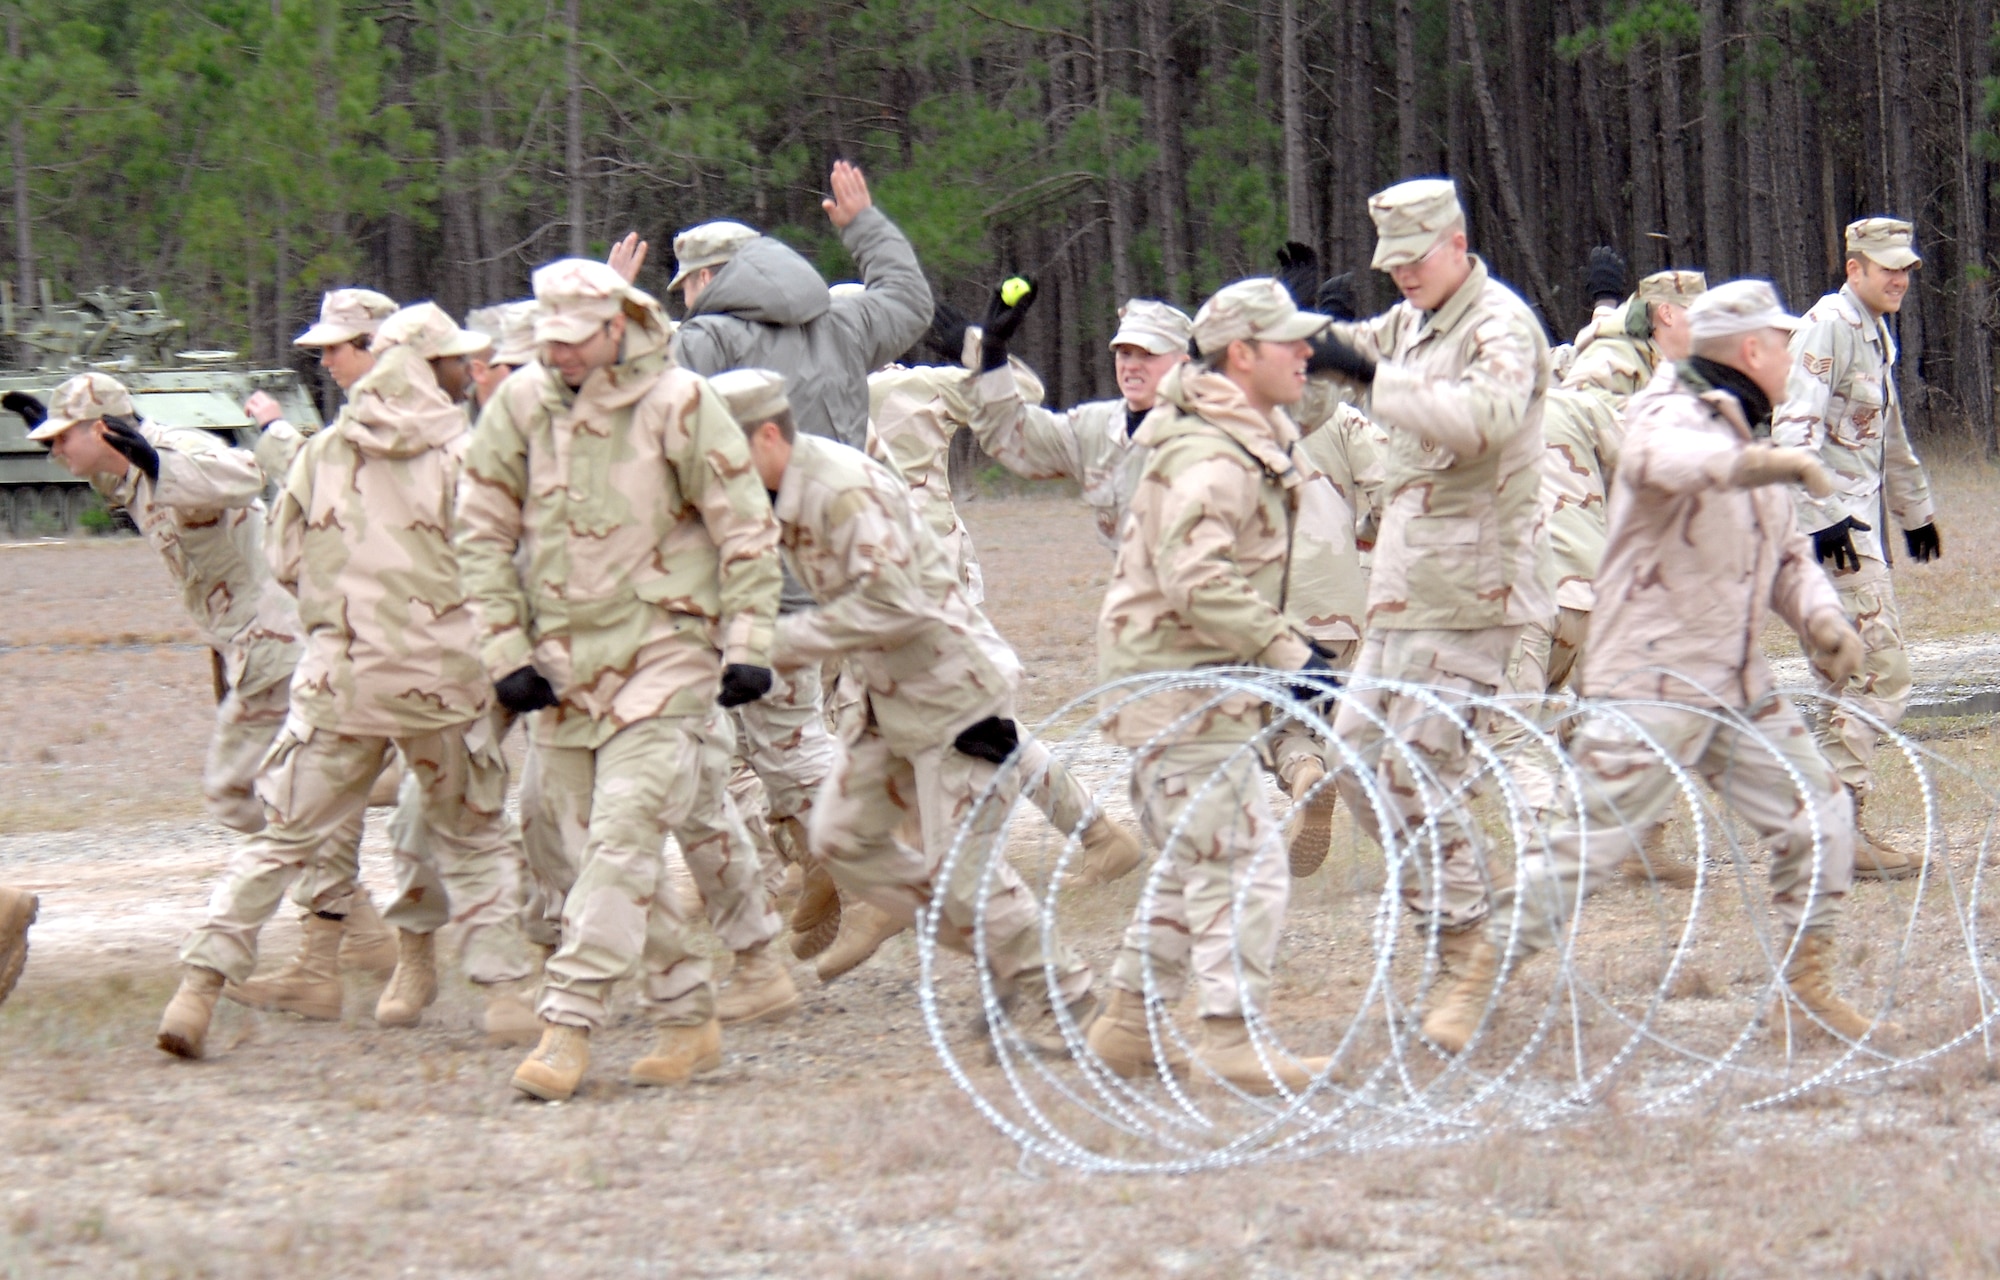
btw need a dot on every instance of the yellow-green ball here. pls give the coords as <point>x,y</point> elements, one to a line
<point>1013,289</point>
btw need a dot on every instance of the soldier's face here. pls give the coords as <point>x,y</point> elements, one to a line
<point>1140,371</point>
<point>1670,331</point>
<point>1270,373</point>
<point>83,453</point>
<point>486,379</point>
<point>346,363</point>
<point>691,287</point>
<point>1766,357</point>
<point>770,453</point>
<point>1429,282</point>
<point>576,361</point>
<point>1880,288</point>
<point>453,374</point>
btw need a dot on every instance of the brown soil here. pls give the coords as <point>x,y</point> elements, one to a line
<point>832,1144</point>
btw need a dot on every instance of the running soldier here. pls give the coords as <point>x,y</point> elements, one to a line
<point>1843,405</point>
<point>622,560</point>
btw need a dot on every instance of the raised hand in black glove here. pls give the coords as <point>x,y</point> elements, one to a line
<point>1605,276</point>
<point>743,683</point>
<point>1836,543</point>
<point>1336,297</point>
<point>1333,355</point>
<point>1318,680</point>
<point>26,407</point>
<point>1298,271</point>
<point>524,691</point>
<point>946,338</point>
<point>992,739</point>
<point>1923,542</point>
<point>1002,321</point>
<point>123,435</point>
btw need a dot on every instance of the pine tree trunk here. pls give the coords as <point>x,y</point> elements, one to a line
<point>1163,117</point>
<point>1117,200</point>
<point>1681,248</point>
<point>1409,154</point>
<point>1503,174</point>
<point>573,125</point>
<point>1298,175</point>
<point>1717,232</point>
<point>17,141</point>
<point>1644,247</point>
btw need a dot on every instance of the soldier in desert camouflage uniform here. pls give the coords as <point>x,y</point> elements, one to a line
<point>1457,372</point>
<point>1843,405</point>
<point>1200,581</point>
<point>939,690</point>
<point>348,320</point>
<point>1702,550</point>
<point>361,539</point>
<point>199,504</point>
<point>622,559</point>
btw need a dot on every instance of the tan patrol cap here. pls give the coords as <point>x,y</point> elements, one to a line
<point>511,326</point>
<point>1741,306</point>
<point>576,297</point>
<point>428,330</point>
<point>1676,287</point>
<point>84,398</point>
<point>347,314</point>
<point>1257,309</point>
<point>754,396</point>
<point>1411,217</point>
<point>1888,242</point>
<point>708,245</point>
<point>1152,326</point>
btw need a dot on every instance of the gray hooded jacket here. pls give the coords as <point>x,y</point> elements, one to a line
<point>767,308</point>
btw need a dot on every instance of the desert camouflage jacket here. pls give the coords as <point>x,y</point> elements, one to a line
<point>1842,402</point>
<point>1460,391</point>
<point>887,600</point>
<point>913,412</point>
<point>1088,444</point>
<point>206,518</point>
<point>362,537</point>
<point>649,545</point>
<point>1694,566</point>
<point>1202,573</point>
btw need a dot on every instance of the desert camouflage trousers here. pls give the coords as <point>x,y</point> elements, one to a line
<point>1548,652</point>
<point>615,805</point>
<point>715,846</point>
<point>1417,750</point>
<point>1292,743</point>
<point>874,790</point>
<point>315,783</point>
<point>1768,772</point>
<point>1881,688</point>
<point>1204,804</point>
<point>784,752</point>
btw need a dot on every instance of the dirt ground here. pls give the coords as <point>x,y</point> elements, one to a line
<point>832,1144</point>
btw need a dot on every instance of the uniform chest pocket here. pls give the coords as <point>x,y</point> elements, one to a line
<point>1859,421</point>
<point>1449,562</point>
<point>1442,531</point>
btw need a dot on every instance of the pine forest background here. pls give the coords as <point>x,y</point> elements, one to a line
<point>242,156</point>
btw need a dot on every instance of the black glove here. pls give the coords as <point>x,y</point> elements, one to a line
<point>1605,276</point>
<point>1298,271</point>
<point>743,683</point>
<point>1923,543</point>
<point>1836,543</point>
<point>1333,355</point>
<point>1001,323</point>
<point>992,740</point>
<point>123,435</point>
<point>30,410</point>
<point>1319,682</point>
<point>1336,297</point>
<point>946,338</point>
<point>524,691</point>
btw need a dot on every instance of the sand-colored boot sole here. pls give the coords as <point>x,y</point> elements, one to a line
<point>680,1054</point>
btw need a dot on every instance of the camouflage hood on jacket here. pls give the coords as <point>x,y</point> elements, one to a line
<point>398,410</point>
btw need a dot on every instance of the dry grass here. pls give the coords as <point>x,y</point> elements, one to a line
<point>831,1145</point>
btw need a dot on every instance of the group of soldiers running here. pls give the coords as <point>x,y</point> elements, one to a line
<point>714,569</point>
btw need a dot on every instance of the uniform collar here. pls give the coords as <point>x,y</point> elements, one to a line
<point>791,490</point>
<point>1446,317</point>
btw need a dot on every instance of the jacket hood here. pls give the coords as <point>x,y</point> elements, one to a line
<point>1220,403</point>
<point>398,410</point>
<point>767,281</point>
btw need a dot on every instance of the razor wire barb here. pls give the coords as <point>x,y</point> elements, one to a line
<point>1625,1001</point>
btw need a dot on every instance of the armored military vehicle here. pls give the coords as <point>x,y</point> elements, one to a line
<point>129,335</point>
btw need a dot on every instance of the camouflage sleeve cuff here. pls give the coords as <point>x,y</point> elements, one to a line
<point>1285,653</point>
<point>507,653</point>
<point>1916,517</point>
<point>748,639</point>
<point>997,386</point>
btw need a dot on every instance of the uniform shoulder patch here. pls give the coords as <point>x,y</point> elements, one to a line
<point>1818,366</point>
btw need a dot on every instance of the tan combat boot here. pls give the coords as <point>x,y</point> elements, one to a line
<point>1312,819</point>
<point>1109,851</point>
<point>679,1053</point>
<point>1034,1019</point>
<point>759,989</point>
<point>553,1071</point>
<point>414,986</point>
<point>1225,1049</point>
<point>366,944</point>
<point>509,1016</point>
<point>1876,860</point>
<point>864,927</point>
<point>310,985</point>
<point>816,915</point>
<point>790,885</point>
<point>1122,1043</point>
<point>17,912</point>
<point>184,1026</point>
<point>1658,866</point>
<point>1469,966</point>
<point>1809,987</point>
